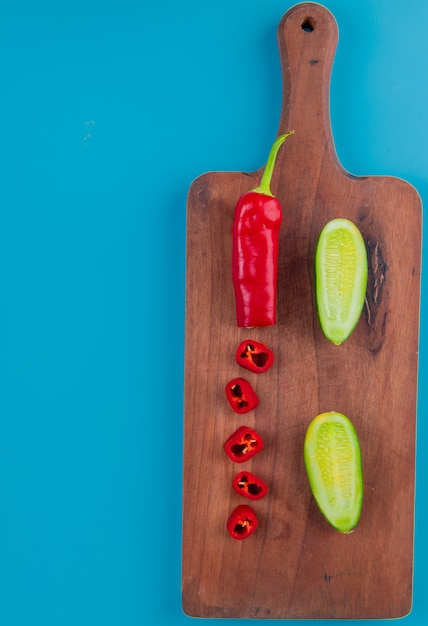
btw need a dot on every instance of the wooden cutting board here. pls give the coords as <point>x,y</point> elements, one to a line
<point>296,565</point>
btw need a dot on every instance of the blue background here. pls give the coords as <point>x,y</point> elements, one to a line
<point>109,110</point>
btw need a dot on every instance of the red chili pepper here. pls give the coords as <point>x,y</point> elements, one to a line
<point>249,486</point>
<point>243,444</point>
<point>242,522</point>
<point>256,225</point>
<point>242,397</point>
<point>254,356</point>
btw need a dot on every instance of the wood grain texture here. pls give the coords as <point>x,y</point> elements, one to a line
<point>296,565</point>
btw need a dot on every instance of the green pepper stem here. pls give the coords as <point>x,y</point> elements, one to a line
<point>264,187</point>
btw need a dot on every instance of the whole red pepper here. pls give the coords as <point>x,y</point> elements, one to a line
<point>243,444</point>
<point>242,397</point>
<point>242,522</point>
<point>255,233</point>
<point>249,486</point>
<point>254,356</point>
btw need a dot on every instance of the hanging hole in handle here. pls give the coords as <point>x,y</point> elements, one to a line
<point>308,24</point>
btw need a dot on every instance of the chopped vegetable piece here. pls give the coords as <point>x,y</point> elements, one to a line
<point>341,271</point>
<point>243,444</point>
<point>254,356</point>
<point>249,486</point>
<point>242,397</point>
<point>242,522</point>
<point>333,463</point>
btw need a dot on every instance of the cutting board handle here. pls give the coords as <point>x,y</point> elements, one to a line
<point>307,40</point>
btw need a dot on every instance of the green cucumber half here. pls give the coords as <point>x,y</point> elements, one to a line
<point>341,271</point>
<point>333,464</point>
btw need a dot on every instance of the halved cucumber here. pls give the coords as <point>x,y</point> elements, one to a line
<point>341,270</point>
<point>333,464</point>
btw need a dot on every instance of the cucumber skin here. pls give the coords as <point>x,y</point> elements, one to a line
<point>343,524</point>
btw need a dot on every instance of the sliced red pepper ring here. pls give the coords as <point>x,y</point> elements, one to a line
<point>242,397</point>
<point>243,444</point>
<point>242,522</point>
<point>254,356</point>
<point>249,486</point>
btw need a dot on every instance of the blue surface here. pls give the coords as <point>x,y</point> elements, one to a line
<point>109,110</point>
